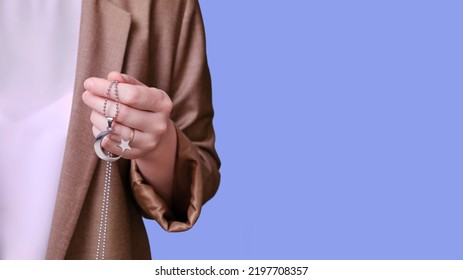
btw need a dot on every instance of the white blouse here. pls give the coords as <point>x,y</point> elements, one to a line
<point>38,53</point>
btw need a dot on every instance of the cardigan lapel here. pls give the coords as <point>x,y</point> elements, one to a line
<point>103,37</point>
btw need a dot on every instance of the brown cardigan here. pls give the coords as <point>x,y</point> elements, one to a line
<point>161,43</point>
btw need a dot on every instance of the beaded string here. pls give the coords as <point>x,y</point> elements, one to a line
<point>104,216</point>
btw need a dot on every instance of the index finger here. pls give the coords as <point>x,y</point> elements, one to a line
<point>136,96</point>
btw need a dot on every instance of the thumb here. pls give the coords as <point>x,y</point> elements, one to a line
<point>123,78</point>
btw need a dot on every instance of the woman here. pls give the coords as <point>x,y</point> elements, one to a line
<point>144,61</point>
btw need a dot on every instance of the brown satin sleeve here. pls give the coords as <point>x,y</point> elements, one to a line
<point>196,174</point>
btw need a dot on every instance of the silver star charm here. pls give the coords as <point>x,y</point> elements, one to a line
<point>124,145</point>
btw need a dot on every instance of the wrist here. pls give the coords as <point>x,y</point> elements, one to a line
<point>157,167</point>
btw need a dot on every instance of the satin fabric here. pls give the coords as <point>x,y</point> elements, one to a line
<point>161,43</point>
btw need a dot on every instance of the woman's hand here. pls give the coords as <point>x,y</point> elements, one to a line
<point>146,112</point>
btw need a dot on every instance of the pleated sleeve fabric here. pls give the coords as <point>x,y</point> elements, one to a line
<point>196,175</point>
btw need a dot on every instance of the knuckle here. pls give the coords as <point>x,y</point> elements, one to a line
<point>149,143</point>
<point>168,105</point>
<point>133,96</point>
<point>162,128</point>
<point>155,102</point>
<point>152,144</point>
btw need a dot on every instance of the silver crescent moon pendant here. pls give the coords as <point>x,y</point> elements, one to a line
<point>99,150</point>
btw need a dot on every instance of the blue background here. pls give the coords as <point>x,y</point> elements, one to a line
<point>339,127</point>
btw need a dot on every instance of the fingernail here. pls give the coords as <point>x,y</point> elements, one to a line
<point>85,95</point>
<point>126,77</point>
<point>88,84</point>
